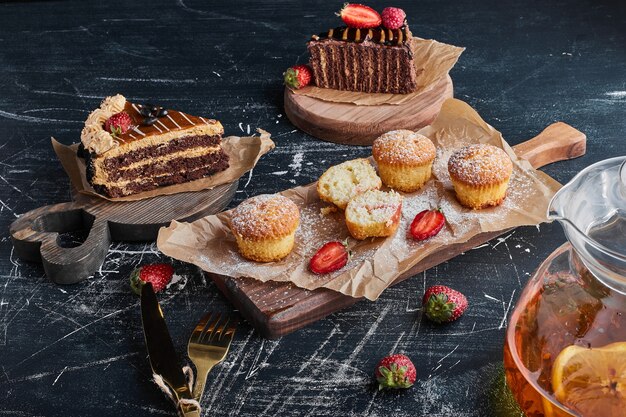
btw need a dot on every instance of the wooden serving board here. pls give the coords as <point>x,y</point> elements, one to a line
<point>35,234</point>
<point>276,309</point>
<point>353,124</point>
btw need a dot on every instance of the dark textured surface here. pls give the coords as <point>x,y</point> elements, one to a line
<point>78,350</point>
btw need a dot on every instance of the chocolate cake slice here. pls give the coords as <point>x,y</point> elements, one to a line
<point>376,60</point>
<point>130,148</point>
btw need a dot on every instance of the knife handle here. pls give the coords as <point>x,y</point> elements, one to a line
<point>189,410</point>
<point>189,406</point>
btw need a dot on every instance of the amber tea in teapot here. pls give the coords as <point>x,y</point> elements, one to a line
<point>565,347</point>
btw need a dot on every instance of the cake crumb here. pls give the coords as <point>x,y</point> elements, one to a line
<point>325,211</point>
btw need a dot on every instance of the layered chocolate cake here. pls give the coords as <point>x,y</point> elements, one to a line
<point>372,53</point>
<point>375,60</point>
<point>130,148</point>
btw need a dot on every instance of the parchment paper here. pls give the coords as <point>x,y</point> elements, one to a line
<point>244,153</point>
<point>433,61</point>
<point>209,244</point>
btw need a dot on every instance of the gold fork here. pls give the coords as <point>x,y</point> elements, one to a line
<point>208,346</point>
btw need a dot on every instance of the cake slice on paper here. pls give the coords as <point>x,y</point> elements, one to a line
<point>131,148</point>
<point>370,54</point>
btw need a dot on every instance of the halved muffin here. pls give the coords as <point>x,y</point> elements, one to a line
<point>374,213</point>
<point>340,183</point>
<point>265,227</point>
<point>480,175</point>
<point>404,159</point>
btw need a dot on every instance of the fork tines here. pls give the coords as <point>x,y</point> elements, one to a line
<point>212,328</point>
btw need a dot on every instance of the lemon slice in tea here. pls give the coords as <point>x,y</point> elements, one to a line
<point>592,381</point>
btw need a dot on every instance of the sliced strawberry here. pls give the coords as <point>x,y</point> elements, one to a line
<point>360,16</point>
<point>427,224</point>
<point>330,257</point>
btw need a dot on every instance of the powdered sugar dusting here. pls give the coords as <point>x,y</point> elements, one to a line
<point>480,164</point>
<point>375,263</point>
<point>178,282</point>
<point>264,215</point>
<point>521,190</point>
<point>403,146</point>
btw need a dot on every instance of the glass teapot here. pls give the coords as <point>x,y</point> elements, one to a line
<point>565,347</point>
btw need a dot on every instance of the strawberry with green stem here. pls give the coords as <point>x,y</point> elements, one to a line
<point>442,304</point>
<point>118,124</point>
<point>298,76</point>
<point>395,372</point>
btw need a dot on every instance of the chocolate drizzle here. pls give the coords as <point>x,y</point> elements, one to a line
<point>149,120</point>
<point>378,35</point>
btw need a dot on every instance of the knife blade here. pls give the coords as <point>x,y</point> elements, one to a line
<point>163,358</point>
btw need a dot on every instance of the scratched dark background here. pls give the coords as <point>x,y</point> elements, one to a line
<point>78,350</point>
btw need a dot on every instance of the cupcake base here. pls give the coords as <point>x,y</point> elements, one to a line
<point>407,179</point>
<point>480,197</point>
<point>266,250</point>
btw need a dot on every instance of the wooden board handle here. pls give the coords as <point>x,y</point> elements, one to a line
<point>557,142</point>
<point>35,238</point>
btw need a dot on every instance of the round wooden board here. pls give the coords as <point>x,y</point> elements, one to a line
<point>353,124</point>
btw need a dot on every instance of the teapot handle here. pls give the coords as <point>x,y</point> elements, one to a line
<point>557,142</point>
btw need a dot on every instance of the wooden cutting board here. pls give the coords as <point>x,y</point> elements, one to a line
<point>350,124</point>
<point>35,234</point>
<point>276,309</point>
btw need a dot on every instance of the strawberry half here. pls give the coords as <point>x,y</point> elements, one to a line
<point>298,76</point>
<point>118,124</point>
<point>427,224</point>
<point>360,16</point>
<point>330,257</point>
<point>395,371</point>
<point>442,304</point>
<point>159,275</point>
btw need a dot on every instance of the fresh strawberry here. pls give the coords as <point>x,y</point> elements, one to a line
<point>330,257</point>
<point>360,16</point>
<point>298,76</point>
<point>427,224</point>
<point>118,124</point>
<point>442,304</point>
<point>159,275</point>
<point>393,18</point>
<point>395,371</point>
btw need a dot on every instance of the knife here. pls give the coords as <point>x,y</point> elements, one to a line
<point>163,358</point>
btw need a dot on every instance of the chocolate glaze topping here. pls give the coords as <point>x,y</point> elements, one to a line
<point>169,120</point>
<point>378,35</point>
